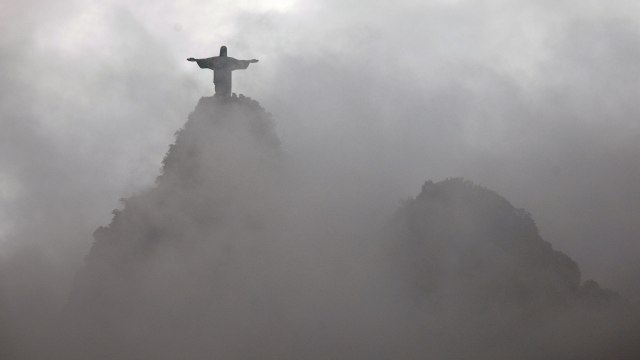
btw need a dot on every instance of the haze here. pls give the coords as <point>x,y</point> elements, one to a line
<point>537,100</point>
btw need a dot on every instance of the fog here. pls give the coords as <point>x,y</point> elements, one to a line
<point>535,100</point>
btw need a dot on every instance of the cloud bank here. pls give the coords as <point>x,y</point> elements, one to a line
<point>534,99</point>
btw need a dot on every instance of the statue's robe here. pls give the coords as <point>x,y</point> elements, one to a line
<point>222,67</point>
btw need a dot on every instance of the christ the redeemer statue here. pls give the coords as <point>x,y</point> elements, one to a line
<point>222,67</point>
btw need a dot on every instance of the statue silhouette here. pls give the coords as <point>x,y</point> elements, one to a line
<point>222,67</point>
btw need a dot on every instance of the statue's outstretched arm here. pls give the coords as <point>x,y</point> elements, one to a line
<point>208,63</point>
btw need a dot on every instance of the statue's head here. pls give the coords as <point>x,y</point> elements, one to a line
<point>223,51</point>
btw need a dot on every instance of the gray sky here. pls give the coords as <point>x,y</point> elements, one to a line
<point>537,100</point>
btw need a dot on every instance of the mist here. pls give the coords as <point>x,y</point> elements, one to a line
<point>534,100</point>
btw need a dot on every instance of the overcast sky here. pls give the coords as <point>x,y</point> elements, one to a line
<point>537,100</point>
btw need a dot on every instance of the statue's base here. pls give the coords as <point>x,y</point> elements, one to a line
<point>232,95</point>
